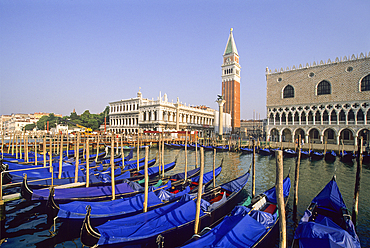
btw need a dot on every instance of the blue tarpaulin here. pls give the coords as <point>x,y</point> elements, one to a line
<point>77,209</point>
<point>323,231</point>
<point>148,224</point>
<point>237,230</point>
<point>271,193</point>
<point>65,194</point>
<point>240,229</point>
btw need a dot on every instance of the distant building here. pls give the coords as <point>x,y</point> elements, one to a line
<point>252,128</point>
<point>324,102</point>
<point>129,115</point>
<point>16,122</point>
<point>231,82</point>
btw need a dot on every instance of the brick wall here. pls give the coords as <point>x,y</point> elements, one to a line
<point>231,92</point>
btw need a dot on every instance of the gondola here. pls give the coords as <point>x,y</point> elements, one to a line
<point>346,157</point>
<point>172,224</point>
<point>326,222</point>
<point>194,181</point>
<point>221,148</point>
<point>41,178</point>
<point>192,146</point>
<point>366,158</point>
<point>289,153</point>
<point>123,207</point>
<point>168,145</point>
<point>94,193</point>
<point>273,151</point>
<point>97,192</point>
<point>207,148</point>
<point>255,223</point>
<point>246,150</point>
<point>265,152</point>
<point>330,157</point>
<point>102,211</point>
<point>305,154</point>
<point>176,146</point>
<point>316,156</point>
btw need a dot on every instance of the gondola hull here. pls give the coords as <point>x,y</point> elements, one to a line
<point>178,227</point>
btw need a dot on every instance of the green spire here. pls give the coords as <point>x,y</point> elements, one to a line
<point>230,46</point>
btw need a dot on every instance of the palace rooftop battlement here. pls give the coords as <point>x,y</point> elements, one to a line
<point>321,63</point>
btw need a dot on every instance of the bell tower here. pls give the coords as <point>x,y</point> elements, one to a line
<point>231,82</point>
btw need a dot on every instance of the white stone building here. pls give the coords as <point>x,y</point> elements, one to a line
<point>129,115</point>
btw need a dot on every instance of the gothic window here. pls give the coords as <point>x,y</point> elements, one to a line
<point>351,116</point>
<point>288,92</point>
<point>325,116</point>
<point>310,117</point>
<point>360,115</point>
<point>303,118</point>
<point>317,117</point>
<point>365,83</point>
<point>296,118</point>
<point>342,116</point>
<point>333,116</point>
<point>315,134</point>
<point>283,119</point>
<point>290,117</point>
<point>323,88</point>
<point>277,119</point>
<point>330,134</point>
<point>271,118</point>
<point>346,134</point>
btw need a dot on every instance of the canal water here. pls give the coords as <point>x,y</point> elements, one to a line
<point>27,224</point>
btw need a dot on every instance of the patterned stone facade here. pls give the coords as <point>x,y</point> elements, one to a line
<point>324,102</point>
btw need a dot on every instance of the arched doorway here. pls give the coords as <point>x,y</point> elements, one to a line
<point>329,136</point>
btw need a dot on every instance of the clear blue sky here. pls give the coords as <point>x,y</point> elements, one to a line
<point>56,56</point>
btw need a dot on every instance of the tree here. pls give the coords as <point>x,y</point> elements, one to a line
<point>42,123</point>
<point>29,127</point>
<point>87,119</point>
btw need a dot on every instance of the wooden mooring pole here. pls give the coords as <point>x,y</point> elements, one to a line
<point>357,184</point>
<point>60,157</point>
<point>200,191</point>
<point>296,180</point>
<point>214,167</point>
<point>186,156</point>
<point>87,162</point>
<point>254,169</point>
<point>112,169</point>
<point>280,198</point>
<point>146,176</point>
